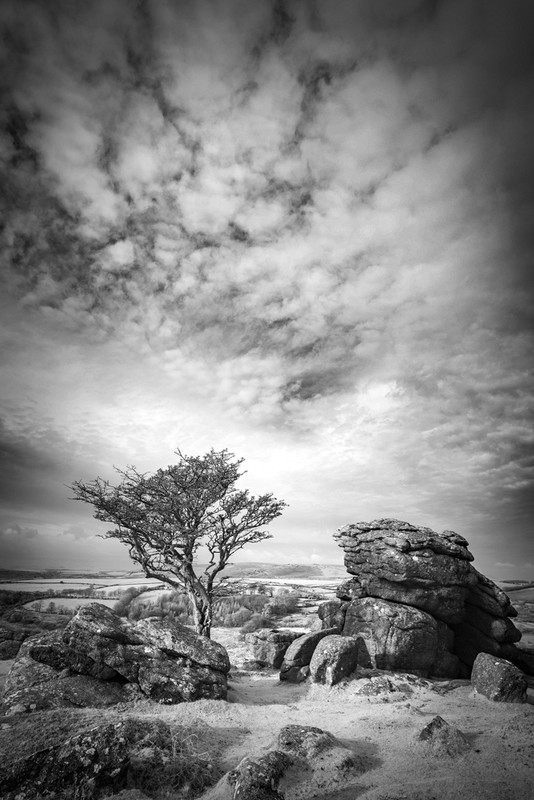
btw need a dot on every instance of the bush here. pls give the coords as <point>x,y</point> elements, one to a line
<point>256,623</point>
<point>167,762</point>
<point>283,604</point>
<point>231,611</point>
<point>122,606</point>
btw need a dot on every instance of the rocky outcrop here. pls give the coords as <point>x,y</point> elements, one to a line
<point>295,666</point>
<point>268,647</point>
<point>100,656</point>
<point>417,602</point>
<point>498,680</point>
<point>400,562</point>
<point>334,658</point>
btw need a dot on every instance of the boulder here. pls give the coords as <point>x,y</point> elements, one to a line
<point>258,778</point>
<point>404,563</point>
<point>99,654</point>
<point>304,741</point>
<point>295,666</point>
<point>498,679</point>
<point>304,761</point>
<point>396,637</point>
<point>268,646</point>
<point>332,614</point>
<point>443,739</point>
<point>335,657</point>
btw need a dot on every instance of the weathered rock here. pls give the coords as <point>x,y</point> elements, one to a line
<point>444,739</point>
<point>86,766</point>
<point>405,565</point>
<point>396,637</point>
<point>332,614</point>
<point>31,686</point>
<point>489,597</point>
<point>258,779</point>
<point>140,752</point>
<point>498,679</point>
<point>268,646</point>
<point>397,561</point>
<point>304,761</point>
<point>447,664</point>
<point>304,741</point>
<point>335,657</point>
<point>166,661</point>
<point>521,657</point>
<point>501,629</point>
<point>299,653</point>
<point>469,642</point>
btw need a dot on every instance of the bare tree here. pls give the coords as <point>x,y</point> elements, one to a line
<point>166,517</point>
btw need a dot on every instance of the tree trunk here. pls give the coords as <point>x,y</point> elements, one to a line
<point>202,614</point>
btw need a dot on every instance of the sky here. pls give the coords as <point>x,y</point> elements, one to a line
<point>299,230</point>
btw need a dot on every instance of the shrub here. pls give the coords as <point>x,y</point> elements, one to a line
<point>283,604</point>
<point>122,606</point>
<point>167,762</point>
<point>256,623</point>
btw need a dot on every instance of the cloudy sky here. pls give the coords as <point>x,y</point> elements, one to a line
<point>299,230</point>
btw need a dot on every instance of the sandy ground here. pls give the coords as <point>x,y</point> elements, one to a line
<point>381,730</point>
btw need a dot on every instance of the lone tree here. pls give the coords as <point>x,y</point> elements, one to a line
<point>166,517</point>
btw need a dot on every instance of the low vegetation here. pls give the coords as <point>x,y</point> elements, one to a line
<point>249,611</point>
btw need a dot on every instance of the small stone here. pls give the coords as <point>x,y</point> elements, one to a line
<point>443,739</point>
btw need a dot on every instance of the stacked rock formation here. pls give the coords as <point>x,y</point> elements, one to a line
<point>417,602</point>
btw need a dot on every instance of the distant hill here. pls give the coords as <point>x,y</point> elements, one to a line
<point>246,570</point>
<point>261,570</point>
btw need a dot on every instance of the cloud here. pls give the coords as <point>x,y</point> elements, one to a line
<point>308,222</point>
<point>18,531</point>
<point>76,532</point>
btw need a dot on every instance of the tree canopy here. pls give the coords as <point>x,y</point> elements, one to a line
<point>164,519</point>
